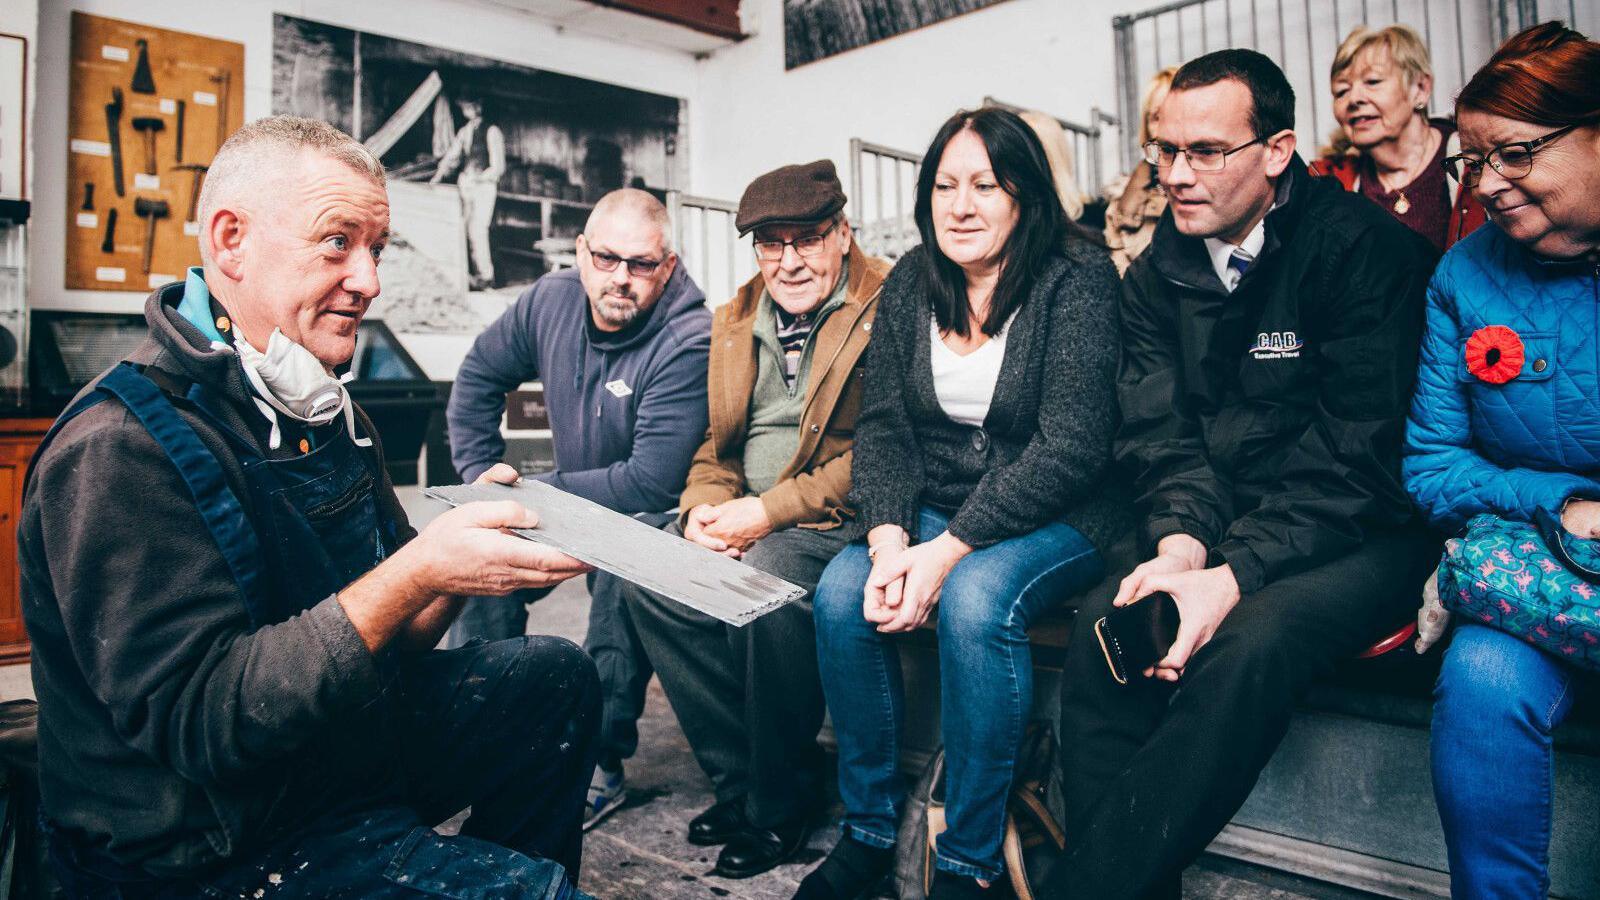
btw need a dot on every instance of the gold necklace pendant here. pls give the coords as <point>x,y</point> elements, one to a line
<point>1402,205</point>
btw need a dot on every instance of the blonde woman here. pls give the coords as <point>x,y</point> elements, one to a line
<point>1137,202</point>
<point>1382,80</point>
<point>1058,153</point>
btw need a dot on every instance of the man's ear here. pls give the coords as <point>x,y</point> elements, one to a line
<point>224,237</point>
<point>846,236</point>
<point>1280,149</point>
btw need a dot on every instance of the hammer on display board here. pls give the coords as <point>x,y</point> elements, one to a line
<point>148,126</point>
<point>199,174</point>
<point>150,211</point>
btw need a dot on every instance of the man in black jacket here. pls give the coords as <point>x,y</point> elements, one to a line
<point>1269,348</point>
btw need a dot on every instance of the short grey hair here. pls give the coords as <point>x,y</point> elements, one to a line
<point>633,201</point>
<point>250,153</point>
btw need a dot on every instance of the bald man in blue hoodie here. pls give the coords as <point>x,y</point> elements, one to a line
<point>620,344</point>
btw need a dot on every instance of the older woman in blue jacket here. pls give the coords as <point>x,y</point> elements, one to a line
<point>1506,422</point>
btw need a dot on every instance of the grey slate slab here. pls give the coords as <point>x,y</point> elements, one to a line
<point>703,580</point>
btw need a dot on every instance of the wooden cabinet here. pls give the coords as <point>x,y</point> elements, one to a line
<point>18,439</point>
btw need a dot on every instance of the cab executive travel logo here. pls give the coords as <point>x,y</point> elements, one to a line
<point>1277,345</point>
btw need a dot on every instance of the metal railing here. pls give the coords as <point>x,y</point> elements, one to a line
<point>1087,141</point>
<point>883,190</point>
<point>707,243</point>
<point>1302,36</point>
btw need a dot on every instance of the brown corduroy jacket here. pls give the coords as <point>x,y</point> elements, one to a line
<point>811,490</point>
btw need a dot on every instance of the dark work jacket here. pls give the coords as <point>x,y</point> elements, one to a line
<point>1268,423</point>
<point>171,733</point>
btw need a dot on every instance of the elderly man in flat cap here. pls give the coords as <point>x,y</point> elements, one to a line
<point>768,486</point>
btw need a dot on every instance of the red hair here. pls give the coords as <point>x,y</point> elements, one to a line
<point>1547,75</point>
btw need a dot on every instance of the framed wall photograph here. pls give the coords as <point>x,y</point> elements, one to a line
<point>13,117</point>
<point>493,166</point>
<point>817,29</point>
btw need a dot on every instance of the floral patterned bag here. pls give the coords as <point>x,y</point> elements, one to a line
<point>1534,581</point>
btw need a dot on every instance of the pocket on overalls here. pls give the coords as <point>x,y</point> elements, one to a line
<point>466,868</point>
<point>347,526</point>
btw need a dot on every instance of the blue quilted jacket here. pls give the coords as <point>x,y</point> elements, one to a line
<point>1530,443</point>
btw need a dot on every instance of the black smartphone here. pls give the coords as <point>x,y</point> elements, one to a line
<point>1137,636</point>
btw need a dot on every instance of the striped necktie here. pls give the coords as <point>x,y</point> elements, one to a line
<point>1238,264</point>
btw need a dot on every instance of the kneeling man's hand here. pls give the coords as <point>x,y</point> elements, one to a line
<point>1204,598</point>
<point>464,551</point>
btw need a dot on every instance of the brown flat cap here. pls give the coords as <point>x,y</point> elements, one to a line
<point>792,195</point>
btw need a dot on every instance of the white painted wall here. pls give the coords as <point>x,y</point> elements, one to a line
<point>753,115</point>
<point>746,113</point>
<point>475,26</point>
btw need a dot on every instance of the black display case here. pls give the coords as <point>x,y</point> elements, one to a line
<point>69,349</point>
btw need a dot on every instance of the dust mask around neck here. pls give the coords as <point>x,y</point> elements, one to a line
<point>289,379</point>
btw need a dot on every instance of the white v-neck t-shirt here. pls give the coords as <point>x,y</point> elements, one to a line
<point>965,384</point>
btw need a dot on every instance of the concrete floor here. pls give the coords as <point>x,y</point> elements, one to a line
<point>639,853</point>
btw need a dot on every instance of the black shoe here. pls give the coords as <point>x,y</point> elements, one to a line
<point>950,886</point>
<point>718,824</point>
<point>852,871</point>
<point>755,850</point>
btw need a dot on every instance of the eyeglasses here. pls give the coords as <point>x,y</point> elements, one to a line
<point>810,245</point>
<point>638,268</point>
<point>1512,160</point>
<point>1201,159</point>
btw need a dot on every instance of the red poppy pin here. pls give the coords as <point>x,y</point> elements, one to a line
<point>1494,354</point>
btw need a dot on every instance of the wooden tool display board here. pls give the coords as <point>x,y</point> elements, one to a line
<point>154,85</point>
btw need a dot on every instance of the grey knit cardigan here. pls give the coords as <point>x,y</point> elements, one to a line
<point>1043,453</point>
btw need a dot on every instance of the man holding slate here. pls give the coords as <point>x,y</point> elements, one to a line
<point>237,689</point>
<point>768,486</point>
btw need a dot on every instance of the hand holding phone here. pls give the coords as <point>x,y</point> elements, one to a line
<point>1137,636</point>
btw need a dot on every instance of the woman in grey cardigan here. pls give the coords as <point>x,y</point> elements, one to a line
<point>981,484</point>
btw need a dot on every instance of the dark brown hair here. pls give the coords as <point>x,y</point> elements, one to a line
<point>1546,75</point>
<point>1020,167</point>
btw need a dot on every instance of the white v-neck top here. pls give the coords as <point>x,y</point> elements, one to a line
<point>965,384</point>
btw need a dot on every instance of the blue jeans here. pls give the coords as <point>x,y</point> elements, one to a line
<point>1495,705</point>
<point>986,684</point>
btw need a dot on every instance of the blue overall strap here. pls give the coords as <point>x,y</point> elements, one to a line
<point>224,515</point>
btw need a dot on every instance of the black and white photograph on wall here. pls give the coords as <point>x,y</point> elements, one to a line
<point>493,166</point>
<point>817,29</point>
<point>13,115</point>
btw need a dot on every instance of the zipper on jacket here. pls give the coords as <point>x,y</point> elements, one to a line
<point>838,351</point>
